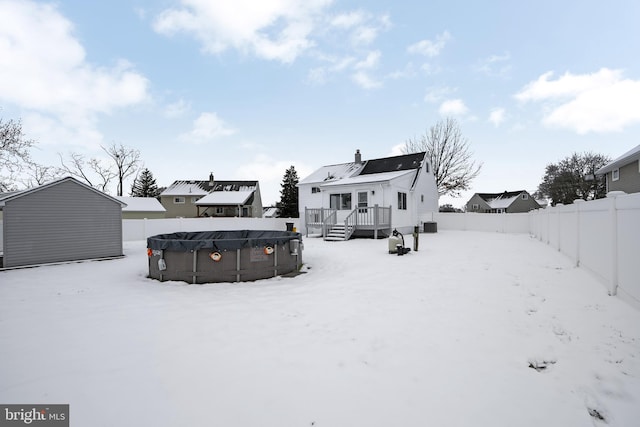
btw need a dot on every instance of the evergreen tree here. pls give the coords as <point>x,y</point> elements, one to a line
<point>289,194</point>
<point>145,185</point>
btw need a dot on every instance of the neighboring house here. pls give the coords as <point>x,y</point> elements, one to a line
<point>370,197</point>
<point>64,220</point>
<point>270,212</point>
<point>192,199</point>
<point>507,202</point>
<point>141,208</point>
<point>623,174</point>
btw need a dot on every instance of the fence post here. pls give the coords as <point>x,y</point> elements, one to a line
<point>613,212</point>
<point>578,204</point>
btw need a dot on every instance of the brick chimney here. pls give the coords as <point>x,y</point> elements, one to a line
<point>358,156</point>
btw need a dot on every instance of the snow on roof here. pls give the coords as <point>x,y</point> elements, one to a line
<point>625,159</point>
<point>182,188</point>
<point>332,173</point>
<point>361,179</point>
<point>225,198</point>
<point>501,202</point>
<point>141,204</point>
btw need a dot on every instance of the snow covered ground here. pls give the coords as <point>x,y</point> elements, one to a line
<point>474,329</point>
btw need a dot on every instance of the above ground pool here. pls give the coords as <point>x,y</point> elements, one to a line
<point>224,256</point>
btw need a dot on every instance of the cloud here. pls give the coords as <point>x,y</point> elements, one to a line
<point>365,81</point>
<point>177,109</point>
<point>44,70</point>
<point>453,107</point>
<point>363,27</point>
<point>270,29</point>
<point>497,116</point>
<point>495,65</point>
<point>207,127</point>
<point>603,101</point>
<point>371,61</point>
<point>435,94</point>
<point>430,48</point>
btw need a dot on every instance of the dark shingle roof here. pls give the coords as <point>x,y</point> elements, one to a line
<point>393,164</point>
<point>504,195</point>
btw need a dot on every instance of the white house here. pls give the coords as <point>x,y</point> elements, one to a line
<point>370,197</point>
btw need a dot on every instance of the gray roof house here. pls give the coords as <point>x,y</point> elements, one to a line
<point>212,198</point>
<point>506,202</point>
<point>64,220</point>
<point>623,174</point>
<point>368,197</point>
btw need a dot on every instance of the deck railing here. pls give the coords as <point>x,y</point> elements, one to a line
<point>374,218</point>
<point>319,218</point>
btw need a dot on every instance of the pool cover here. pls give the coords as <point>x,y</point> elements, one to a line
<point>220,240</point>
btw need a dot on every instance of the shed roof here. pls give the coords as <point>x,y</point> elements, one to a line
<point>17,194</point>
<point>628,157</point>
<point>141,204</point>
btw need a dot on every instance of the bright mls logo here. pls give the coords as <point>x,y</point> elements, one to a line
<point>34,415</point>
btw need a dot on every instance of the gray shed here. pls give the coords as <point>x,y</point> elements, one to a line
<point>64,220</point>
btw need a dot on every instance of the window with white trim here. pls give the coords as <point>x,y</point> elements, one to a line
<point>475,206</point>
<point>178,200</point>
<point>402,201</point>
<point>615,174</point>
<point>315,190</point>
<point>525,196</point>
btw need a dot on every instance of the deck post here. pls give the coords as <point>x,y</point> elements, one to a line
<point>376,221</point>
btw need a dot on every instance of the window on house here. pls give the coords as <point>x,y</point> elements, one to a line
<point>422,198</point>
<point>402,201</point>
<point>178,200</point>
<point>525,196</point>
<point>475,207</point>
<point>340,201</point>
<point>426,167</point>
<point>219,211</point>
<point>615,174</point>
<point>315,190</point>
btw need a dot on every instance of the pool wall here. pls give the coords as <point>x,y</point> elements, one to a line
<point>229,256</point>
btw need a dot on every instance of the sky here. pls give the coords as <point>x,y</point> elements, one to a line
<point>246,89</point>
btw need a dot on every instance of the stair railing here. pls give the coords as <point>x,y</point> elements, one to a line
<point>350,224</point>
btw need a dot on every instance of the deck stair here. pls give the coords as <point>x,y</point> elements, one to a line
<point>338,233</point>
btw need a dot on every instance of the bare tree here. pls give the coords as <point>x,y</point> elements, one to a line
<point>99,173</point>
<point>93,172</point>
<point>127,161</point>
<point>14,152</point>
<point>36,174</point>
<point>448,152</point>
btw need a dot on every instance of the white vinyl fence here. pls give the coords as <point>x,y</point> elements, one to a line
<point>602,236</point>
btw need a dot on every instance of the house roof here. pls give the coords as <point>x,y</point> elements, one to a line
<point>628,157</point>
<point>202,188</point>
<point>360,179</point>
<point>217,198</point>
<point>332,173</point>
<point>141,204</point>
<point>17,194</point>
<point>374,170</point>
<point>500,200</point>
<point>393,164</point>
